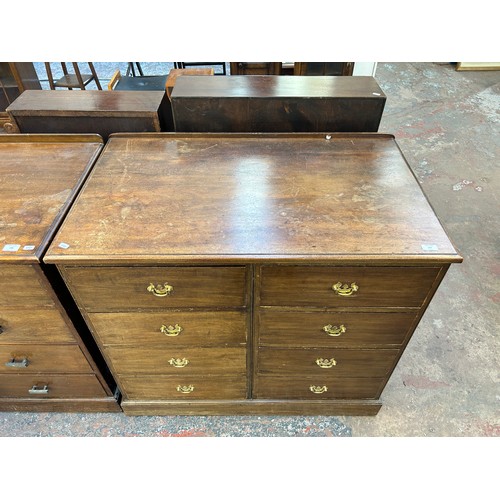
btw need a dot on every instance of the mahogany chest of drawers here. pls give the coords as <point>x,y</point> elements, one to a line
<point>252,274</point>
<point>277,103</point>
<point>48,360</point>
<point>90,111</point>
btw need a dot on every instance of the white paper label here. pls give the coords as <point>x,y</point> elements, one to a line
<point>63,245</point>
<point>11,248</point>
<point>28,247</point>
<point>430,248</point>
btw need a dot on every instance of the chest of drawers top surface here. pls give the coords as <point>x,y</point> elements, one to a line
<point>272,86</point>
<point>240,198</point>
<point>95,102</point>
<point>39,177</point>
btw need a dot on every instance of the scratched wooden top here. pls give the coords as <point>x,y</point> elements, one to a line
<point>189,198</point>
<point>39,176</point>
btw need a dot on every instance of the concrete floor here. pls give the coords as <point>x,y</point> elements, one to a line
<point>447,382</point>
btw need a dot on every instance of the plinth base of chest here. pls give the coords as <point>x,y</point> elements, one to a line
<point>104,405</point>
<point>252,407</point>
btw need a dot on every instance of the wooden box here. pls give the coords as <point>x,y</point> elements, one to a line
<point>48,359</point>
<point>90,111</point>
<point>252,273</point>
<point>277,103</point>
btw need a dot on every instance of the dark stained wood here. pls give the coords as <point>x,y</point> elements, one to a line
<point>39,325</point>
<point>92,111</point>
<point>305,328</point>
<point>277,104</point>
<point>323,68</point>
<point>377,286</point>
<point>288,215</point>
<point>200,360</point>
<point>126,288</point>
<point>58,386</point>
<point>43,358</point>
<point>268,387</point>
<point>165,387</point>
<point>251,198</point>
<point>206,328</point>
<point>39,336</point>
<point>252,407</point>
<point>349,362</point>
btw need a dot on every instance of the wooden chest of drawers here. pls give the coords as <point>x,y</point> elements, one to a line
<point>92,111</point>
<point>252,274</point>
<point>277,103</point>
<point>48,361</point>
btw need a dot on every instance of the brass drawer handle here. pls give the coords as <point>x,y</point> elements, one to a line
<point>344,290</point>
<point>13,363</point>
<point>171,331</point>
<point>316,389</point>
<point>334,331</point>
<point>38,390</point>
<point>179,363</point>
<point>326,363</point>
<point>160,290</point>
<point>185,389</point>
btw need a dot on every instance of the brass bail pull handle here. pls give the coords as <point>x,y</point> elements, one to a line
<point>179,363</point>
<point>171,331</point>
<point>15,363</point>
<point>39,390</point>
<point>344,289</point>
<point>316,389</point>
<point>334,331</point>
<point>185,389</point>
<point>326,363</point>
<point>160,290</point>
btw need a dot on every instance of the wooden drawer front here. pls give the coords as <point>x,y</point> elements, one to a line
<point>377,286</point>
<point>42,358</point>
<point>33,325</point>
<point>41,386</point>
<point>126,288</point>
<point>20,286</point>
<point>201,361</point>
<point>332,329</point>
<point>184,387</point>
<point>171,328</point>
<point>319,387</point>
<point>346,362</point>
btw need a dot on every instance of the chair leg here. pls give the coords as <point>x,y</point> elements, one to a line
<point>49,76</point>
<point>78,76</point>
<point>94,74</point>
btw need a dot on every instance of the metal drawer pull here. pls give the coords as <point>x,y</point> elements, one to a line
<point>179,363</point>
<point>344,289</point>
<point>334,331</point>
<point>326,363</point>
<point>160,290</point>
<point>38,390</point>
<point>318,390</point>
<point>185,389</point>
<point>171,331</point>
<point>13,363</point>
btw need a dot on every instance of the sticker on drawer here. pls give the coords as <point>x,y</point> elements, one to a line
<point>11,248</point>
<point>430,248</point>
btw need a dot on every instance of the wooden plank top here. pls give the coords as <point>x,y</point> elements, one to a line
<point>61,102</point>
<point>277,86</point>
<point>39,177</point>
<point>232,198</point>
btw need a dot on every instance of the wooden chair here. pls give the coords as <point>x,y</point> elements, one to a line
<point>72,80</point>
<point>255,68</point>
<point>184,65</point>
<point>120,82</point>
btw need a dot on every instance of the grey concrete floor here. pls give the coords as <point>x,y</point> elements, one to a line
<point>447,381</point>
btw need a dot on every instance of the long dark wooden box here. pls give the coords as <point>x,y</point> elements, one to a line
<point>277,103</point>
<point>90,111</point>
